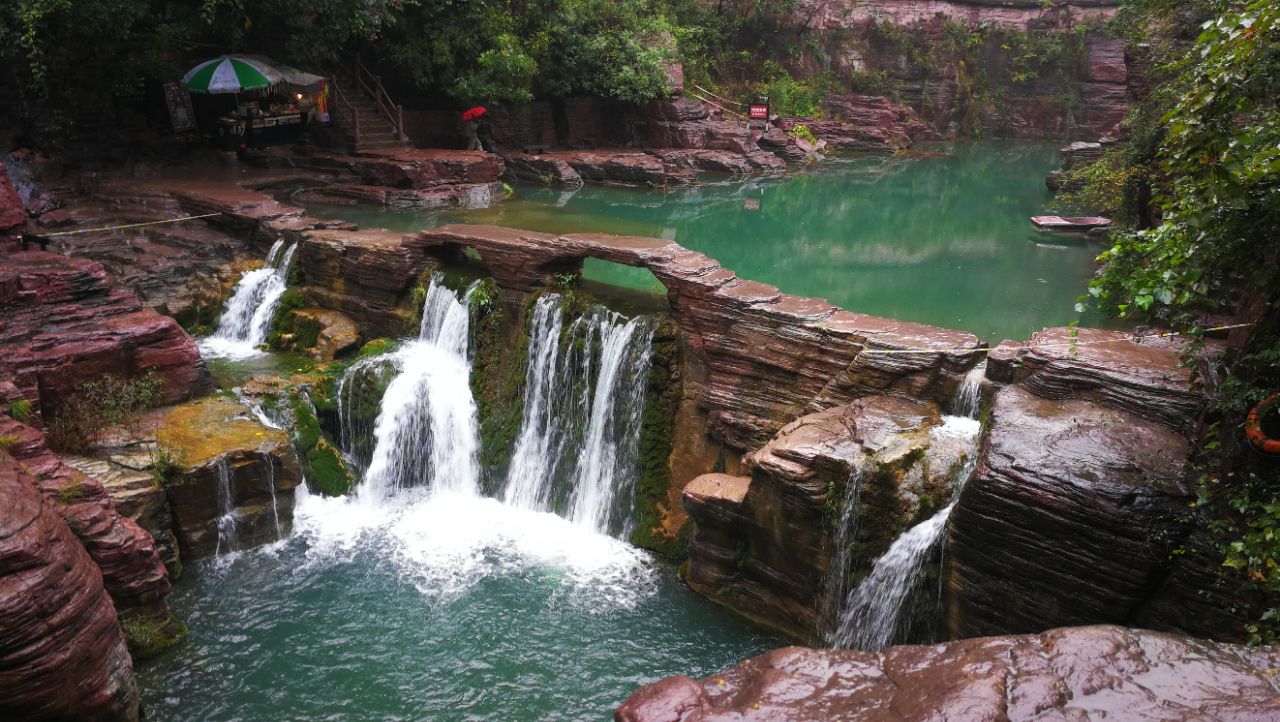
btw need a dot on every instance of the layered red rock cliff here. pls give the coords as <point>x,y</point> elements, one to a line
<point>62,654</point>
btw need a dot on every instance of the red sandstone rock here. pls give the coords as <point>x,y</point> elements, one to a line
<point>61,323</point>
<point>62,654</point>
<point>1145,377</point>
<point>132,569</point>
<point>763,546</point>
<point>1083,674</point>
<point>1069,519</point>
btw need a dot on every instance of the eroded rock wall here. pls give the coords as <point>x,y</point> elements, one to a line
<point>764,543</point>
<point>62,322</point>
<point>62,654</point>
<point>1079,500</point>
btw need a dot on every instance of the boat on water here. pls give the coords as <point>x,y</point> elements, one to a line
<point>1078,224</point>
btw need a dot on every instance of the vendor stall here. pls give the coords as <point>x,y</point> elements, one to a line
<point>273,103</point>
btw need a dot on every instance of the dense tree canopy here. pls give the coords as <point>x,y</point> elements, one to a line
<point>470,50</point>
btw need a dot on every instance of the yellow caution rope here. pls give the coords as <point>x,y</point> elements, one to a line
<point>128,225</point>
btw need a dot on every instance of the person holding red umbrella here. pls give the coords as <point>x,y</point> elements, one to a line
<point>471,124</point>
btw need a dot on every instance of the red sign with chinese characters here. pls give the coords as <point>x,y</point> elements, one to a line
<point>759,112</point>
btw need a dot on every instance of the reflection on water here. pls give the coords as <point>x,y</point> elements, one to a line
<point>942,240</point>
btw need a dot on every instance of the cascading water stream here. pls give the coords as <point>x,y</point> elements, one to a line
<point>968,399</point>
<point>584,398</point>
<point>605,474</point>
<point>271,489</point>
<point>247,318</point>
<point>837,581</point>
<point>872,611</point>
<point>226,522</point>
<point>426,429</point>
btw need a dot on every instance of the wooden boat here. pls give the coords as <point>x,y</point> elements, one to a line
<point>1070,225</point>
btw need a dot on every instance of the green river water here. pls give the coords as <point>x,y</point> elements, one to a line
<point>446,607</point>
<point>938,240</point>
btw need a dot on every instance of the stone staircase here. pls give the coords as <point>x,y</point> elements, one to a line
<point>364,112</point>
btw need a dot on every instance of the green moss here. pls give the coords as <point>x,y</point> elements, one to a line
<point>323,467</point>
<point>326,473</point>
<point>150,633</point>
<point>376,347</point>
<point>497,379</point>
<point>662,400</point>
<point>282,322</point>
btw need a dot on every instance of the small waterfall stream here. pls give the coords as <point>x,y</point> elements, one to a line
<point>427,427</point>
<point>247,317</point>
<point>269,461</point>
<point>872,612</point>
<point>227,537</point>
<point>584,399</point>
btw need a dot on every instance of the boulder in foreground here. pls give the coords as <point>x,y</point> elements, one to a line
<point>1077,673</point>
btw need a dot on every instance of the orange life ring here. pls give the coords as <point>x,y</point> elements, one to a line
<point>1253,427</point>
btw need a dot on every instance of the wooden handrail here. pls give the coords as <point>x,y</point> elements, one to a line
<point>353,116</point>
<point>372,85</point>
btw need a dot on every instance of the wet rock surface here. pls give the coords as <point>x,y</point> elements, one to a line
<point>131,567</point>
<point>1082,674</point>
<point>224,462</point>
<point>62,654</point>
<point>1070,518</point>
<point>763,544</point>
<point>62,322</point>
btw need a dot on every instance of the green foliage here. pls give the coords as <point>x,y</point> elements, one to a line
<point>1222,154</point>
<point>1111,185</point>
<point>150,633</point>
<point>165,463</point>
<point>98,404</point>
<point>20,410</point>
<point>802,132</point>
<point>788,96</point>
<point>1209,137</point>
<point>7,442</point>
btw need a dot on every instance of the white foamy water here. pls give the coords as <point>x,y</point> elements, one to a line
<point>447,542</point>
<point>247,317</point>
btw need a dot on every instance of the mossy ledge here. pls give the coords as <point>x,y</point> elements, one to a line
<point>653,484</point>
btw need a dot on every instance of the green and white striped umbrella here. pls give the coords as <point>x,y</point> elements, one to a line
<point>230,74</point>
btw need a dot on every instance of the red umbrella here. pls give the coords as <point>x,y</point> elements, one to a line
<point>473,113</point>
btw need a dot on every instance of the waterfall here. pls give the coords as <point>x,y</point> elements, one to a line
<point>426,429</point>
<point>580,426</point>
<point>247,318</point>
<point>872,612</point>
<point>271,489</point>
<point>873,608</point>
<point>226,510</point>
<point>605,475</point>
<point>837,581</point>
<point>968,400</point>
<point>538,447</point>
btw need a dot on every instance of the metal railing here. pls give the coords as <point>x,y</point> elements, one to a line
<point>372,85</point>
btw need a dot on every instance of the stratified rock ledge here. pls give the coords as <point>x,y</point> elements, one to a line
<point>1080,674</point>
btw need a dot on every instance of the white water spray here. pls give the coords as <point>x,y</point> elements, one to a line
<point>427,430</point>
<point>247,318</point>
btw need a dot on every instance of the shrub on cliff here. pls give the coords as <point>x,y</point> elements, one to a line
<point>99,404</point>
<point>1209,136</point>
